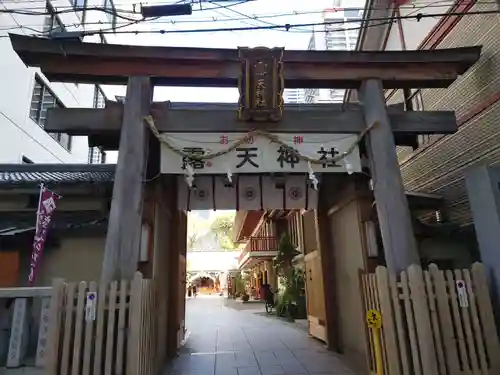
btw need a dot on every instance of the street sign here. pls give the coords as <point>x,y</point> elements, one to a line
<point>257,154</point>
<point>373,319</point>
<point>463,298</point>
<point>90,306</point>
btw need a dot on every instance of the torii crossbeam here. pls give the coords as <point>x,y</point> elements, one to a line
<point>103,125</point>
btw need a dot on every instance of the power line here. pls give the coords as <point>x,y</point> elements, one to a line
<point>230,19</point>
<point>284,27</point>
<point>287,27</point>
<point>69,8</point>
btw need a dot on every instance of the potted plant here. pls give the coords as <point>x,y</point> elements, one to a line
<point>283,263</point>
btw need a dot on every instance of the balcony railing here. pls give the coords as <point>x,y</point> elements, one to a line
<point>259,244</point>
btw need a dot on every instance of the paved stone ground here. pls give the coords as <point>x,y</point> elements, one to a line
<point>225,341</point>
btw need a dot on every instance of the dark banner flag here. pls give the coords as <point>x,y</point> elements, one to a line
<point>46,207</point>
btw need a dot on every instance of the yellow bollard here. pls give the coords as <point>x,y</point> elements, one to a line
<point>374,322</point>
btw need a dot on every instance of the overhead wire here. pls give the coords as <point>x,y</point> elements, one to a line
<point>70,8</point>
<point>246,16</point>
<point>270,26</point>
<point>287,27</point>
<point>260,17</point>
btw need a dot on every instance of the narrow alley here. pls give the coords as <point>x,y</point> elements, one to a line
<point>227,341</point>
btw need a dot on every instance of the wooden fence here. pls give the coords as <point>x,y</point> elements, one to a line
<point>433,322</point>
<point>111,334</point>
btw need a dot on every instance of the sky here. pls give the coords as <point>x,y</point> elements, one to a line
<point>228,39</point>
<point>223,18</point>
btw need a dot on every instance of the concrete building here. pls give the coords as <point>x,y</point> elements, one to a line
<point>26,94</point>
<point>436,164</point>
<point>294,96</point>
<point>340,33</point>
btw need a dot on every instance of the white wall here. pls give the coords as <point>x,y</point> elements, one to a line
<point>212,260</point>
<point>19,135</point>
<point>414,32</point>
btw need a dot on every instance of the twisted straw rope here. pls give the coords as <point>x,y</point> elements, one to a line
<point>255,132</point>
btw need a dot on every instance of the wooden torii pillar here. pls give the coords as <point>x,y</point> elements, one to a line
<point>370,72</point>
<point>121,254</point>
<point>394,217</point>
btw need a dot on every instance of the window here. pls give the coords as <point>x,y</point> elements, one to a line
<point>417,100</point>
<point>96,154</point>
<point>41,101</point>
<point>26,160</point>
<point>99,98</point>
<point>52,22</point>
<point>78,3</point>
<point>110,11</point>
<point>79,6</point>
<point>418,105</point>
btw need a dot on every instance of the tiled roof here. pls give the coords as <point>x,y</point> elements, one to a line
<point>17,174</point>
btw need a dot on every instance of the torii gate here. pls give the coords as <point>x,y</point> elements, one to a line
<point>121,126</point>
<point>141,68</point>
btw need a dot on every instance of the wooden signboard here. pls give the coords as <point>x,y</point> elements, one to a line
<point>261,84</point>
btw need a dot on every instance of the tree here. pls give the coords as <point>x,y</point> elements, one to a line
<point>196,228</point>
<point>222,227</point>
<point>191,240</point>
<point>291,280</point>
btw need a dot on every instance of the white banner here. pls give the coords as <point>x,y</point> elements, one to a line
<point>258,154</point>
<point>248,192</point>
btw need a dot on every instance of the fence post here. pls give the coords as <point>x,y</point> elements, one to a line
<point>486,315</point>
<point>422,320</point>
<point>389,329</point>
<point>135,329</point>
<point>53,334</point>
<point>445,320</point>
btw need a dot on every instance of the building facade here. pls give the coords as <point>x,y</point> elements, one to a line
<point>27,94</point>
<point>339,33</point>
<point>436,164</point>
<point>294,96</point>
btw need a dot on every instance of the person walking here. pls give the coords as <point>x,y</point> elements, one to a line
<point>194,291</point>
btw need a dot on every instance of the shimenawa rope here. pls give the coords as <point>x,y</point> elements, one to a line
<point>255,132</point>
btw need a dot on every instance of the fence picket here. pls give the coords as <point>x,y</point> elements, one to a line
<point>445,320</point>
<point>471,349</point>
<point>401,332</point>
<point>369,349</point>
<point>436,330</point>
<point>411,324</point>
<point>102,293</point>
<point>481,351</point>
<point>89,338</point>
<point>376,306</point>
<point>134,336</point>
<point>422,320</point>
<point>371,305</point>
<point>464,359</point>
<point>389,329</point>
<point>77,341</point>
<point>120,344</point>
<point>55,325</point>
<point>110,339</point>
<point>487,318</point>
<point>68,328</point>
